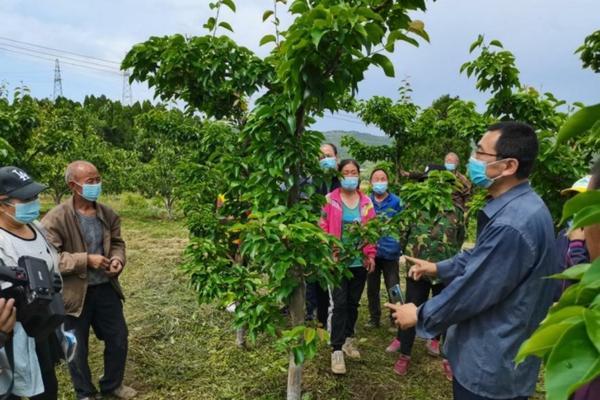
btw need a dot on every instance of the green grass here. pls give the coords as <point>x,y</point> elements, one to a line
<point>181,350</point>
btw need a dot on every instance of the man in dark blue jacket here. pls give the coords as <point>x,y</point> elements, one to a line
<point>495,294</point>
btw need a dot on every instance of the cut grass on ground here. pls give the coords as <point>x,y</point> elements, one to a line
<point>181,350</point>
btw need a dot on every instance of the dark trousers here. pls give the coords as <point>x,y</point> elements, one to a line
<point>346,299</point>
<point>47,362</point>
<point>317,299</point>
<point>391,277</point>
<point>417,292</point>
<point>103,311</point>
<point>461,393</point>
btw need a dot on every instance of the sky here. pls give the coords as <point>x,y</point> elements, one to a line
<point>542,34</point>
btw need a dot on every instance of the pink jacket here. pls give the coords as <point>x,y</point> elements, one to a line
<point>331,217</point>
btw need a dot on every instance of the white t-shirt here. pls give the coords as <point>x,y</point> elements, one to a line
<point>27,375</point>
<point>37,247</point>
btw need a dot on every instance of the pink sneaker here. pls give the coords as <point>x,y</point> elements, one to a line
<point>447,369</point>
<point>433,347</point>
<point>401,366</point>
<point>394,347</point>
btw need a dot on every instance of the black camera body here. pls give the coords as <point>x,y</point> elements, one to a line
<point>40,307</point>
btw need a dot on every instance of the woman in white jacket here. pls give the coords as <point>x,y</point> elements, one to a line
<point>32,374</point>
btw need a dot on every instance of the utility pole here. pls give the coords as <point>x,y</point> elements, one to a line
<point>127,97</point>
<point>57,81</point>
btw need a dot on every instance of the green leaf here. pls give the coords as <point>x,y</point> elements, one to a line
<point>210,23</point>
<point>368,13</point>
<point>316,36</point>
<point>579,202</point>
<point>573,360</point>
<point>564,315</point>
<point>267,14</point>
<point>225,25</point>
<point>384,63</point>
<point>541,342</point>
<point>586,217</point>
<point>591,277</point>
<point>298,355</point>
<point>596,302</point>
<point>574,273</point>
<point>399,35</point>
<point>496,43</point>
<point>476,43</point>
<point>578,123</point>
<point>310,334</point>
<point>299,7</point>
<point>266,39</point>
<point>374,31</point>
<point>592,325</point>
<point>230,4</point>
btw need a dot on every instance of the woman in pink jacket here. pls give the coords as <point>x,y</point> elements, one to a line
<point>346,206</point>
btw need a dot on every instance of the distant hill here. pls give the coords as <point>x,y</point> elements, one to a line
<point>335,137</point>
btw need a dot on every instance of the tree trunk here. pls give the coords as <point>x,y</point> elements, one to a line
<point>57,197</point>
<point>297,302</point>
<point>169,206</point>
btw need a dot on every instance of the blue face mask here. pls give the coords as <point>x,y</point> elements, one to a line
<point>380,187</point>
<point>91,192</point>
<point>450,166</point>
<point>327,163</point>
<point>26,213</point>
<point>477,172</point>
<point>349,182</point>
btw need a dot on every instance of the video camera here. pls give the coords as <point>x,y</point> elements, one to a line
<point>40,308</point>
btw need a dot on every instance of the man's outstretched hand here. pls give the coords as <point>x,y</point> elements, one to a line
<point>421,268</point>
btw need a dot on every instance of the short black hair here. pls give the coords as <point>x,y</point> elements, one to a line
<point>332,146</point>
<point>379,169</point>
<point>517,140</point>
<point>347,161</point>
<point>595,180</point>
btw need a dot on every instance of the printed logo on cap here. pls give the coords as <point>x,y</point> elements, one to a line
<point>22,175</point>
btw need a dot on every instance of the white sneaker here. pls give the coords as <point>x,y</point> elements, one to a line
<point>338,365</point>
<point>124,392</point>
<point>350,349</point>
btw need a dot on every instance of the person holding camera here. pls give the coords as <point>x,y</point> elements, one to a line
<point>87,235</point>
<point>26,364</point>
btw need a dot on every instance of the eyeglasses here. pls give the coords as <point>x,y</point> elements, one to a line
<point>483,153</point>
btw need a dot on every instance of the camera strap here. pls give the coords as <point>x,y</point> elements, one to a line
<point>10,354</point>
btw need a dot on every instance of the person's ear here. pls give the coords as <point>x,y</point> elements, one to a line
<point>512,166</point>
<point>72,186</point>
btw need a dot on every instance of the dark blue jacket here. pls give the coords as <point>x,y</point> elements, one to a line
<point>495,297</point>
<point>388,248</point>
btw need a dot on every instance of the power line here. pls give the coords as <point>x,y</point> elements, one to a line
<point>108,71</point>
<point>344,119</point>
<point>62,57</point>
<point>62,51</point>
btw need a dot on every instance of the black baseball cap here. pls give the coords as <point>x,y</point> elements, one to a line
<point>17,184</point>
